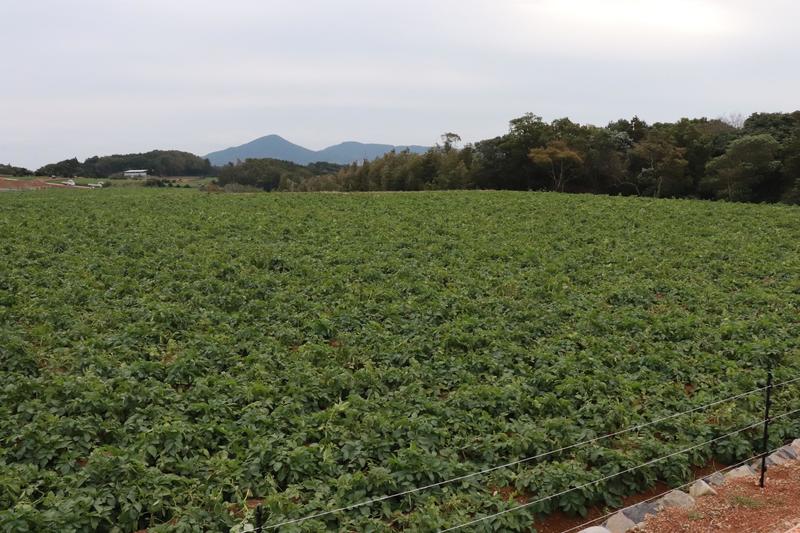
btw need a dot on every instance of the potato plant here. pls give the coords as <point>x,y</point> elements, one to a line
<point>170,358</point>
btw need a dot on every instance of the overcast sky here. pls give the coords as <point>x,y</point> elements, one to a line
<point>88,77</point>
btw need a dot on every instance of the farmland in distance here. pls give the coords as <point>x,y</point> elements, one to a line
<point>170,358</point>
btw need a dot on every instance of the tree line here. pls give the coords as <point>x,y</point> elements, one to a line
<point>756,160</point>
<point>156,162</point>
<point>272,174</point>
<point>753,160</point>
<point>11,170</point>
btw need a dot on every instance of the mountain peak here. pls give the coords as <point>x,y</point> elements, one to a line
<point>276,147</point>
<point>271,137</point>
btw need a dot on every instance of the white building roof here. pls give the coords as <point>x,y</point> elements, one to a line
<point>142,170</point>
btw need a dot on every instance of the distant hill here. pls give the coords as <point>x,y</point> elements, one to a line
<point>156,162</point>
<point>276,147</point>
<point>350,151</point>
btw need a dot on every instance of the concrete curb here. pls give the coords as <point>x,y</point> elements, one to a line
<point>628,519</point>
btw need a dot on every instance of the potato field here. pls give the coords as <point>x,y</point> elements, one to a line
<point>169,358</point>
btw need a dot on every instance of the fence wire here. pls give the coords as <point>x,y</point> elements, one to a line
<point>542,456</point>
<point>657,496</point>
<point>606,478</point>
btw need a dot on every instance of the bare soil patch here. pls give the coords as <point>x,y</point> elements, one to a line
<point>19,185</point>
<point>740,505</point>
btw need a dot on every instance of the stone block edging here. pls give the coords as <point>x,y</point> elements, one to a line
<point>629,518</point>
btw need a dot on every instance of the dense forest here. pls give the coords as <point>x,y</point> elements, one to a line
<point>757,159</point>
<point>156,162</point>
<point>272,174</point>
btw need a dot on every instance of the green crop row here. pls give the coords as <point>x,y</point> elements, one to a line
<point>168,359</point>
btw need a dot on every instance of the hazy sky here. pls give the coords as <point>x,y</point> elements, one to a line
<point>86,77</point>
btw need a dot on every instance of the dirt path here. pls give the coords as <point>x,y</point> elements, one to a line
<point>739,506</point>
<point>19,185</point>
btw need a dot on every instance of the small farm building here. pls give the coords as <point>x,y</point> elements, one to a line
<point>135,173</point>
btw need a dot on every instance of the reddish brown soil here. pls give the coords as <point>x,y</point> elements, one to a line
<point>10,183</point>
<point>739,506</point>
<point>39,183</point>
<point>239,511</point>
<point>558,522</point>
<point>16,184</point>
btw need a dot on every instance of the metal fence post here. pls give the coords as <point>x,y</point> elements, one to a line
<point>765,443</point>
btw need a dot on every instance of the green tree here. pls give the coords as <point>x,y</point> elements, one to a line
<point>747,163</point>
<point>269,174</point>
<point>701,139</point>
<point>450,140</point>
<point>659,167</point>
<point>636,128</point>
<point>503,163</point>
<point>66,169</point>
<point>11,170</point>
<point>790,170</point>
<point>782,126</point>
<point>604,159</point>
<point>562,162</point>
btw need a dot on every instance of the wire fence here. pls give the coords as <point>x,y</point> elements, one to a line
<point>606,516</point>
<point>612,476</point>
<point>259,528</point>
